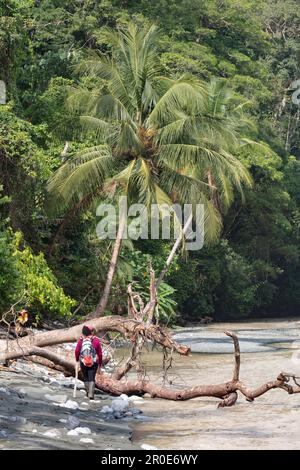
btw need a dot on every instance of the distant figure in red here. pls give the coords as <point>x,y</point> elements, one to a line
<point>88,353</point>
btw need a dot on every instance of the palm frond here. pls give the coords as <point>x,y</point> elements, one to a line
<point>82,174</point>
<point>189,190</point>
<point>182,94</point>
<point>91,123</point>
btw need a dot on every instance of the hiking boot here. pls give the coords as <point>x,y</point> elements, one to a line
<point>86,386</point>
<point>91,390</point>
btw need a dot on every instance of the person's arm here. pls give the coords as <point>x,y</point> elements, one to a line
<point>78,349</point>
<point>98,349</point>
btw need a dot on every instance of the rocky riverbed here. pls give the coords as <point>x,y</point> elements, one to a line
<point>38,411</point>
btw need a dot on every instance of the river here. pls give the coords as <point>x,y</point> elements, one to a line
<point>270,422</point>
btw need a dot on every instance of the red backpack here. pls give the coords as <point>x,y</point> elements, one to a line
<point>88,355</point>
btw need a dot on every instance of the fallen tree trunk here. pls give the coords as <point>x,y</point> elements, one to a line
<point>227,392</point>
<point>127,327</point>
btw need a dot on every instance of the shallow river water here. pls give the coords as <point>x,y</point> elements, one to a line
<point>270,422</point>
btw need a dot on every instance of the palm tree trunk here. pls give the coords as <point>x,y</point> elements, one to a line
<point>111,270</point>
<point>173,251</point>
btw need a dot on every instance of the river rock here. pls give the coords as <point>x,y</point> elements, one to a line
<point>3,434</point>
<point>56,398</point>
<point>118,409</point>
<point>53,433</point>
<point>135,398</point>
<point>106,409</point>
<point>21,393</point>
<point>119,405</point>
<point>87,440</point>
<point>72,422</point>
<point>72,433</point>
<point>70,404</point>
<point>79,430</point>
<point>83,430</point>
<point>5,391</point>
<point>124,397</point>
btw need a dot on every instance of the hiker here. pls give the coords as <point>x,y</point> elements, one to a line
<point>89,353</point>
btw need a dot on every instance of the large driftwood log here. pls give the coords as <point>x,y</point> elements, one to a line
<point>227,392</point>
<point>127,327</point>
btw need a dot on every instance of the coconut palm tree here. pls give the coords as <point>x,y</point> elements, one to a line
<point>163,140</point>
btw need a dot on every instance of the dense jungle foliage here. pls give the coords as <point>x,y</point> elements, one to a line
<point>52,262</point>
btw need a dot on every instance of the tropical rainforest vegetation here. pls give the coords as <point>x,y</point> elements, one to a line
<point>161,101</point>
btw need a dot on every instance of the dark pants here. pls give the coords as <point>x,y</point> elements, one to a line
<point>88,373</point>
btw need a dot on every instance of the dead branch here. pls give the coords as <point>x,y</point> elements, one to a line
<point>237,355</point>
<point>133,361</point>
<point>133,312</point>
<point>150,307</point>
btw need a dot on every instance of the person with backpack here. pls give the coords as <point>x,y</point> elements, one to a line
<point>88,353</point>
